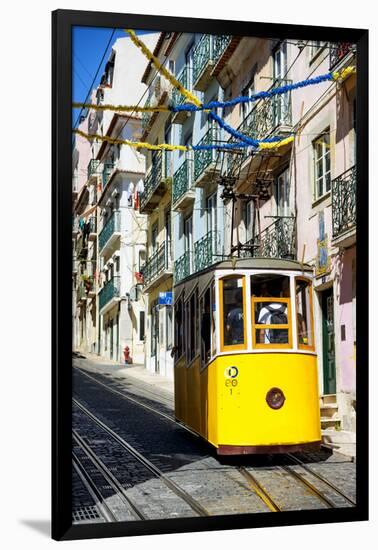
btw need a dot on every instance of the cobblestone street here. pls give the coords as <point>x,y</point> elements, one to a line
<point>132,461</point>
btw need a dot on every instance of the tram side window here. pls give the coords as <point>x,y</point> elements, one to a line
<point>271,310</point>
<point>213,314</point>
<point>233,311</point>
<point>304,314</point>
<point>191,326</point>
<point>179,332</point>
<point>205,327</point>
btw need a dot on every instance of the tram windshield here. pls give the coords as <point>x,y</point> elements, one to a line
<point>270,296</point>
<point>233,311</point>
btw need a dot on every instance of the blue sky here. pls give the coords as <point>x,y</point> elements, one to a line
<point>88,46</point>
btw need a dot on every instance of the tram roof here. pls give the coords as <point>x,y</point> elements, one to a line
<point>262,263</point>
<point>203,277</point>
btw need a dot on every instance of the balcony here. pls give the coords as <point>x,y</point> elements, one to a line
<point>183,267</point>
<point>92,228</point>
<point>81,295</point>
<point>156,183</point>
<point>267,117</point>
<point>106,173</point>
<point>205,162</point>
<point>75,226</point>
<point>344,211</point>
<point>207,250</point>
<point>183,192</point>
<point>184,77</point>
<point>110,292</point>
<point>157,268</point>
<point>275,241</point>
<point>160,92</point>
<point>339,52</point>
<point>110,232</point>
<point>82,247</point>
<point>93,168</point>
<point>206,54</point>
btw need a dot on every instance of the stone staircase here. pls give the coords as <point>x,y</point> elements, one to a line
<point>333,436</point>
<point>329,418</point>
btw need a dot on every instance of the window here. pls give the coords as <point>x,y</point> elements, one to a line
<point>233,312</point>
<point>248,217</point>
<point>154,233</point>
<point>191,326</point>
<point>188,241</point>
<point>169,326</point>
<point>205,305</point>
<point>316,47</point>
<point>179,332</point>
<point>141,326</point>
<point>154,327</point>
<point>322,161</point>
<point>167,227</point>
<point>303,305</point>
<point>283,194</point>
<point>271,323</point>
<point>248,91</point>
<point>213,318</point>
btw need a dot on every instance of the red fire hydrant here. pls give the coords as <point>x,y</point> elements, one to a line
<point>126,353</point>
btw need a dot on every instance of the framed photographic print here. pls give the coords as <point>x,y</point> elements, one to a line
<point>209,323</point>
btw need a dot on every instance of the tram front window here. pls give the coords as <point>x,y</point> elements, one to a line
<point>271,309</point>
<point>233,311</point>
<point>304,313</point>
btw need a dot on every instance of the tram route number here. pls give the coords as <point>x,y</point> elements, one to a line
<point>230,374</point>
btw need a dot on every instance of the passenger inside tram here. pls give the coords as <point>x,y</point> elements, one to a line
<point>271,312</point>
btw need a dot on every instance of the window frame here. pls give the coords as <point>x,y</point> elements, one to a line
<point>232,347</point>
<point>305,347</point>
<point>325,193</point>
<point>256,326</point>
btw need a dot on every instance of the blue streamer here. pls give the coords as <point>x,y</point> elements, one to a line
<point>255,97</point>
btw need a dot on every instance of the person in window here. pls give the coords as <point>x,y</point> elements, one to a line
<point>274,313</point>
<point>235,322</point>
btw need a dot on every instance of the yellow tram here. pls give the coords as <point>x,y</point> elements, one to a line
<point>245,359</point>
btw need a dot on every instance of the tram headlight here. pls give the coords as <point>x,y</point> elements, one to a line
<point>275,398</point>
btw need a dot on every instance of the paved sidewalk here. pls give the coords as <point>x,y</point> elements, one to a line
<point>136,372</point>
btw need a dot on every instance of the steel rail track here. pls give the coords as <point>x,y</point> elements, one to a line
<point>95,494</point>
<point>259,490</point>
<point>184,495</point>
<point>110,478</point>
<point>132,399</point>
<point>254,484</point>
<point>321,478</point>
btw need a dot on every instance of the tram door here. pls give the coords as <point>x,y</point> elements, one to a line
<point>329,363</point>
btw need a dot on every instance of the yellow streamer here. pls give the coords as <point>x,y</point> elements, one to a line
<point>136,144</point>
<point>161,69</point>
<point>274,144</point>
<point>122,108</point>
<point>342,75</point>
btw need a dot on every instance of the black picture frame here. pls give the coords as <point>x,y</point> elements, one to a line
<point>62,23</point>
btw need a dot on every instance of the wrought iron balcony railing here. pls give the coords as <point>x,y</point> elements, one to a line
<point>112,289</point>
<point>207,250</point>
<point>82,247</point>
<point>181,181</point>
<point>106,172</point>
<point>206,54</point>
<point>344,210</point>
<point>275,241</point>
<point>92,224</point>
<point>153,178</point>
<point>337,52</point>
<point>183,267</point>
<point>113,225</point>
<point>156,264</point>
<point>266,116</point>
<point>184,78</point>
<point>93,167</point>
<point>204,159</point>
